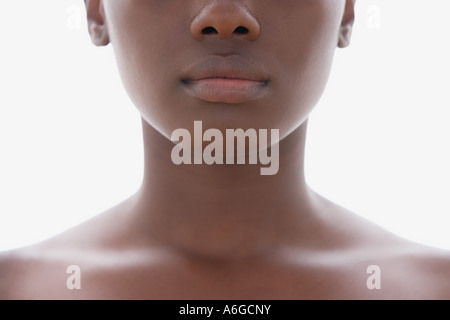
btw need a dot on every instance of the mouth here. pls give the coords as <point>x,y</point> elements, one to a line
<point>231,80</point>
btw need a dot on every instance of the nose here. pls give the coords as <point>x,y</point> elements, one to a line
<point>224,20</point>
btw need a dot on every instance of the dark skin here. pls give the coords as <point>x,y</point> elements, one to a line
<point>224,231</point>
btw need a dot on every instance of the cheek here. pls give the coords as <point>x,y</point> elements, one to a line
<point>305,47</point>
<point>144,48</point>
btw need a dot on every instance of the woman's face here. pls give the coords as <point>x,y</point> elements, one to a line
<point>259,64</point>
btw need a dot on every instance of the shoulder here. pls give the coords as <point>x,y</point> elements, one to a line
<point>34,271</point>
<point>5,267</point>
<point>429,272</point>
<point>406,269</point>
<point>409,270</point>
<point>11,266</point>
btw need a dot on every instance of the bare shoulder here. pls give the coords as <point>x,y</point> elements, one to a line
<point>5,270</point>
<point>38,271</point>
<point>410,270</point>
<point>11,265</point>
<point>407,270</point>
<point>429,271</point>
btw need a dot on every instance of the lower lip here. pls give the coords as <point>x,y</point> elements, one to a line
<point>223,90</point>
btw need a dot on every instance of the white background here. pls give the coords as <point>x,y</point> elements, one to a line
<point>378,142</point>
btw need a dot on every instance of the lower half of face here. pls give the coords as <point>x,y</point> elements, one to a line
<point>260,64</point>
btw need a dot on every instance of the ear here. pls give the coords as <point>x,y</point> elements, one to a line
<point>345,31</point>
<point>96,22</point>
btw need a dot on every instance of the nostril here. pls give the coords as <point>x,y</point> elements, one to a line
<point>209,30</point>
<point>222,20</point>
<point>241,30</point>
<point>212,30</point>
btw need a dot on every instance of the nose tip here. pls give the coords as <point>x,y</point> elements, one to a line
<point>224,21</point>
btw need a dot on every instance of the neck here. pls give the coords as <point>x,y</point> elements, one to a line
<point>222,210</point>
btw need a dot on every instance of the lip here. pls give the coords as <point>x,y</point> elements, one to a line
<point>230,79</point>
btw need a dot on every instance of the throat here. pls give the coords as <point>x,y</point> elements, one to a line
<point>225,229</point>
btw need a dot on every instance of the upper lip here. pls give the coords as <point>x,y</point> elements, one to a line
<point>229,67</point>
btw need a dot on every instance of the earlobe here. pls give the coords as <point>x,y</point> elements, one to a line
<point>345,34</point>
<point>97,26</point>
<point>345,31</point>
